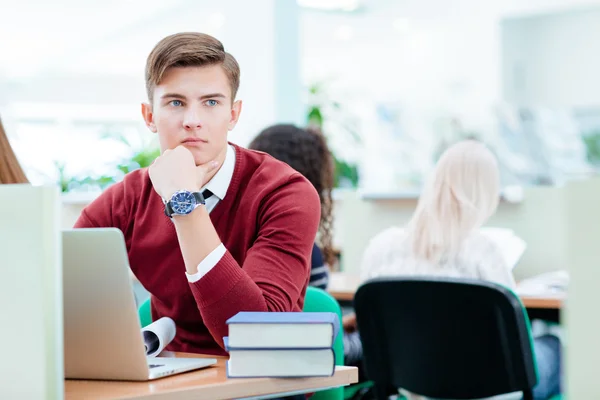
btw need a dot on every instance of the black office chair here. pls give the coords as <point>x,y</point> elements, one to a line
<point>444,338</point>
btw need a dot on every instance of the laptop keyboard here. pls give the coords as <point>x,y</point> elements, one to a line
<point>155,365</point>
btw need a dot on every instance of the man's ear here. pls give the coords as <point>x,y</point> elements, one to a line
<point>148,116</point>
<point>236,110</point>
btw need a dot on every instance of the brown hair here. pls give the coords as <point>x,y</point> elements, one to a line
<point>307,152</point>
<point>10,170</point>
<point>189,49</point>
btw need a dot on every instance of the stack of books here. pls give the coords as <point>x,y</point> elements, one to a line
<point>281,344</point>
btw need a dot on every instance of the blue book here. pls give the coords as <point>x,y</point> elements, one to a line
<point>283,330</point>
<point>279,363</point>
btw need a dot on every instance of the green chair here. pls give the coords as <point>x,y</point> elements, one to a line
<point>145,313</point>
<point>316,300</point>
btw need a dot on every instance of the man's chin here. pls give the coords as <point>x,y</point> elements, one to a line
<point>204,156</point>
<point>201,161</point>
<point>200,157</point>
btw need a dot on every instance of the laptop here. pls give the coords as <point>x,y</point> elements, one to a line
<point>102,331</point>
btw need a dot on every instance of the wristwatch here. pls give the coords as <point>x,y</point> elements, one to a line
<point>183,202</point>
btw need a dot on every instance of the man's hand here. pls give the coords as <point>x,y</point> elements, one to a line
<point>349,323</point>
<point>176,170</point>
<point>205,172</point>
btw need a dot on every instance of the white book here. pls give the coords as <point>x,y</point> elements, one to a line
<point>31,293</point>
<point>296,330</point>
<point>511,246</point>
<point>279,363</point>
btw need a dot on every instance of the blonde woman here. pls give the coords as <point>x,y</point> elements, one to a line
<point>443,239</point>
<point>10,170</point>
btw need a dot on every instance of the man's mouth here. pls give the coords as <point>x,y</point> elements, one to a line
<point>194,141</point>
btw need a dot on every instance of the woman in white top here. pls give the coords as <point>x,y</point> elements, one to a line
<point>443,239</point>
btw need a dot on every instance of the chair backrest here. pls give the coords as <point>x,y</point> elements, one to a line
<point>445,338</point>
<point>317,300</point>
<point>145,313</point>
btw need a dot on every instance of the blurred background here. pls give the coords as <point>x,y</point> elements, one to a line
<point>391,82</point>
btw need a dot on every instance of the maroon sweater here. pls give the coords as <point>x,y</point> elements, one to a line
<point>268,223</point>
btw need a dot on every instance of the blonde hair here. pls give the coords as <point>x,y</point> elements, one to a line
<point>10,170</point>
<point>460,196</point>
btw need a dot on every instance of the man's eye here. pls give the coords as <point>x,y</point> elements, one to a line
<point>176,103</point>
<point>211,103</point>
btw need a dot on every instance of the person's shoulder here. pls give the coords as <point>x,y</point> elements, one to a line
<point>317,255</point>
<point>132,186</point>
<point>388,239</point>
<point>384,254</point>
<point>265,173</point>
<point>478,246</point>
<point>138,177</point>
<point>480,242</point>
<point>261,162</point>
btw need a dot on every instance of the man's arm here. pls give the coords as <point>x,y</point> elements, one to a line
<point>102,212</point>
<point>276,269</point>
<point>197,237</point>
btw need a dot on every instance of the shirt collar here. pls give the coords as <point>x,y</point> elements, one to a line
<point>219,183</point>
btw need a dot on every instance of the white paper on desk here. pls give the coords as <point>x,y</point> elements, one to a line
<point>511,246</point>
<point>158,335</point>
<point>553,283</point>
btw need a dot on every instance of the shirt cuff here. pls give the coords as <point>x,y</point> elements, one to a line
<point>207,264</point>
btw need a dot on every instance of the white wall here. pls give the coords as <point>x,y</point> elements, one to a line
<point>552,60</point>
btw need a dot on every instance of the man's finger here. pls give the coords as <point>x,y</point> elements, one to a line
<point>212,165</point>
<point>209,166</point>
<point>204,169</point>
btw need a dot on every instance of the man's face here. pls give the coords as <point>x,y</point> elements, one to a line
<point>192,106</point>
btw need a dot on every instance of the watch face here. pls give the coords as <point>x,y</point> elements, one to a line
<point>183,202</point>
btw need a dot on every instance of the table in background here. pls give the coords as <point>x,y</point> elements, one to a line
<point>343,286</point>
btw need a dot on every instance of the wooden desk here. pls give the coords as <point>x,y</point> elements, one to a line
<point>207,383</point>
<point>551,302</point>
<point>342,286</point>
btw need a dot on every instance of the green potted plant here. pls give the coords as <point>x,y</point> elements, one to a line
<point>346,173</point>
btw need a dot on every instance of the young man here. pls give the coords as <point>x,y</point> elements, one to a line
<point>211,228</point>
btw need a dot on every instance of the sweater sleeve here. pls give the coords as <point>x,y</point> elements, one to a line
<point>276,269</point>
<point>106,211</point>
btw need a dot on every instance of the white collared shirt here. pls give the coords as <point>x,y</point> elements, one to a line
<point>218,185</point>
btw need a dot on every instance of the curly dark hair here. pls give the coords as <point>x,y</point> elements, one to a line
<point>307,152</point>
